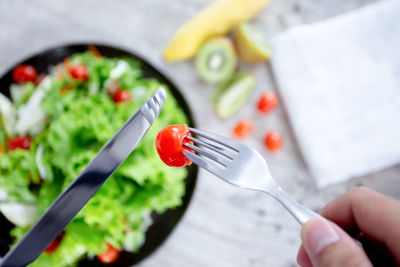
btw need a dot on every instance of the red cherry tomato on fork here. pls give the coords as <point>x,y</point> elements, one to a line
<point>21,142</point>
<point>110,255</point>
<point>267,102</point>
<point>169,144</point>
<point>79,72</point>
<point>24,73</point>
<point>122,96</point>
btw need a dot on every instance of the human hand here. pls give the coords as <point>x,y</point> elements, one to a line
<point>367,216</point>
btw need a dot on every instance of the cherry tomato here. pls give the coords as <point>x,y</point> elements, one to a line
<point>1,149</point>
<point>122,96</point>
<point>273,141</point>
<point>243,129</point>
<point>78,72</point>
<point>267,102</point>
<point>110,255</point>
<point>169,144</point>
<point>21,142</point>
<point>55,243</point>
<point>24,73</point>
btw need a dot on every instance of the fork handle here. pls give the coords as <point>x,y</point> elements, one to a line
<point>298,211</point>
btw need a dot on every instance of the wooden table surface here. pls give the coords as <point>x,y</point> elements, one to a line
<point>224,226</point>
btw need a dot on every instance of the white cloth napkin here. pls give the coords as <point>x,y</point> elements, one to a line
<point>340,82</point>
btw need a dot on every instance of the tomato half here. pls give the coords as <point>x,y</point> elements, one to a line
<point>55,243</point>
<point>122,96</point>
<point>79,72</point>
<point>267,102</point>
<point>24,73</point>
<point>169,144</point>
<point>110,255</point>
<point>273,141</point>
<point>21,142</point>
<point>243,129</point>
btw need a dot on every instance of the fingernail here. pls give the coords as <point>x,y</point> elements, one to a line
<point>319,234</point>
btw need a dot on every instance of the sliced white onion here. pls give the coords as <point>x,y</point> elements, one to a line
<point>16,92</point>
<point>93,88</point>
<point>3,195</point>
<point>7,114</point>
<point>19,214</point>
<point>45,84</point>
<point>129,242</point>
<point>131,238</point>
<point>39,161</point>
<point>118,70</point>
<point>116,73</point>
<point>147,221</point>
<point>139,92</point>
<point>30,115</point>
<point>31,118</point>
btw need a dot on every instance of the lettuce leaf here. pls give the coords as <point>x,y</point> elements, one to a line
<point>17,171</point>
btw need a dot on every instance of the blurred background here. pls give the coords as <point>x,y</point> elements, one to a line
<point>224,225</point>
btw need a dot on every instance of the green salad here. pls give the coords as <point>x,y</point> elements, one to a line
<point>55,125</point>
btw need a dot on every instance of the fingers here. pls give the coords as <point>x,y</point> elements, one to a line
<point>363,210</point>
<point>302,258</point>
<point>328,246</point>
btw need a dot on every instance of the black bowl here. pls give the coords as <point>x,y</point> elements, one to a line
<point>162,224</point>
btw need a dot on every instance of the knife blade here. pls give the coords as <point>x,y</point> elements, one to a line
<point>80,191</point>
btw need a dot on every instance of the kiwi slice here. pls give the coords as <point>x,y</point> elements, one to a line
<point>233,93</point>
<point>216,60</point>
<point>251,45</point>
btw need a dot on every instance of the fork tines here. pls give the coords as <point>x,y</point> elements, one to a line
<point>213,149</point>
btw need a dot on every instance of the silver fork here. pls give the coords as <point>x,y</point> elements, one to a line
<point>242,166</point>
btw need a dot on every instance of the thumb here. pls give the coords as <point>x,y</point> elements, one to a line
<point>328,245</point>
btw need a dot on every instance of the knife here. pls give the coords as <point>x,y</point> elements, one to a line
<point>81,190</point>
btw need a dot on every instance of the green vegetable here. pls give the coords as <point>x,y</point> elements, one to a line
<point>16,171</point>
<point>232,94</point>
<point>80,121</point>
